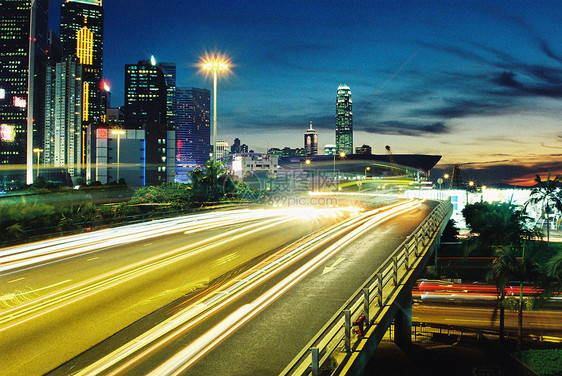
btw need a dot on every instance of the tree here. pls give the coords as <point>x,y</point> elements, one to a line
<point>508,267</point>
<point>497,224</point>
<point>548,196</point>
<point>212,183</point>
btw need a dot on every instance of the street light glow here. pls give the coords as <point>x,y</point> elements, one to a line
<point>214,64</point>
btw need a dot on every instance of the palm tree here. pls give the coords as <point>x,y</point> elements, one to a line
<point>548,196</point>
<point>508,267</point>
<point>212,183</point>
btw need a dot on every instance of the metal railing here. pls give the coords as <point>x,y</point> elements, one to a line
<point>337,336</point>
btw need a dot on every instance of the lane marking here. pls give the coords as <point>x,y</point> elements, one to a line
<point>93,258</point>
<point>15,280</point>
<point>328,269</point>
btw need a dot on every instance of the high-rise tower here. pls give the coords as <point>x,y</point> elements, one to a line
<point>344,120</point>
<point>22,54</point>
<point>311,142</point>
<point>81,34</point>
<point>146,109</point>
<point>193,131</point>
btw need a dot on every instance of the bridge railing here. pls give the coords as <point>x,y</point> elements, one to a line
<point>337,338</point>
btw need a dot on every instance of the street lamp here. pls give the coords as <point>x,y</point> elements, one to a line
<point>215,63</point>
<point>30,91</point>
<point>368,168</point>
<point>118,132</point>
<point>38,151</point>
<point>342,155</point>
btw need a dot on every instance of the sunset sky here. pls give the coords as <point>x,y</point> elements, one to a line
<point>478,82</point>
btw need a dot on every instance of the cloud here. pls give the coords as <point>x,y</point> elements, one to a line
<point>458,108</point>
<point>509,80</point>
<point>403,128</point>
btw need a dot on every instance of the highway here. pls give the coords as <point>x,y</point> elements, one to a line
<point>176,296</point>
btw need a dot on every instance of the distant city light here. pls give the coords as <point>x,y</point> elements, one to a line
<point>7,133</point>
<point>20,102</point>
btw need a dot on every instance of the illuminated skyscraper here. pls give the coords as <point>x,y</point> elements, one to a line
<point>66,148</point>
<point>81,34</point>
<point>15,29</point>
<point>344,120</point>
<point>193,131</point>
<point>311,141</point>
<point>146,109</point>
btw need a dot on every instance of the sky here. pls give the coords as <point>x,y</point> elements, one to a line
<point>478,82</point>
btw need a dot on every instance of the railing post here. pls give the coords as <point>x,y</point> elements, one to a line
<point>407,257</point>
<point>379,289</point>
<point>395,271</point>
<point>366,304</point>
<point>347,317</point>
<point>315,353</point>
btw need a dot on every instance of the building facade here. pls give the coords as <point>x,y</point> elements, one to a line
<point>311,141</point>
<point>193,131</point>
<point>81,34</point>
<point>64,139</point>
<point>344,120</point>
<point>23,46</point>
<point>364,150</point>
<point>146,109</point>
<point>120,157</point>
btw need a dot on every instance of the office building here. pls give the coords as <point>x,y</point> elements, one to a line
<point>119,156</point>
<point>330,150</point>
<point>344,120</point>
<point>364,150</point>
<point>236,146</point>
<point>193,132</point>
<point>64,139</point>
<point>54,56</point>
<point>81,34</point>
<point>146,109</point>
<point>222,149</point>
<point>18,48</point>
<point>311,141</point>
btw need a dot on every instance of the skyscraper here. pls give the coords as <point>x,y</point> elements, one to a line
<point>344,120</point>
<point>311,141</point>
<point>193,131</point>
<point>65,149</point>
<point>15,61</point>
<point>146,109</point>
<point>81,34</point>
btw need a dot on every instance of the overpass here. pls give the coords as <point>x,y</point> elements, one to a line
<point>60,311</point>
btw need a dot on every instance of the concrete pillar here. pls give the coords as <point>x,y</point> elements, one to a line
<point>403,320</point>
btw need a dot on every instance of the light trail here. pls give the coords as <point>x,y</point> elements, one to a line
<point>187,319</point>
<point>200,347</point>
<point>100,283</point>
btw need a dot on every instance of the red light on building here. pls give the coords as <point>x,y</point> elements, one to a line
<point>102,133</point>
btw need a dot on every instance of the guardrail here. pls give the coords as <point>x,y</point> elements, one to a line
<point>337,335</point>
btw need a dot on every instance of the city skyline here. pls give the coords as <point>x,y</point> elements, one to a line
<point>477,82</point>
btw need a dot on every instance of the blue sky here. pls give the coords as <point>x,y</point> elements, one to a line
<point>479,82</point>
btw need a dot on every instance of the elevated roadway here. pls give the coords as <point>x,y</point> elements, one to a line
<point>242,293</point>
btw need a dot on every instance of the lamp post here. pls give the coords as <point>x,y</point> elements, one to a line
<point>342,155</point>
<point>38,151</point>
<point>30,92</point>
<point>215,64</point>
<point>368,168</point>
<point>118,132</point>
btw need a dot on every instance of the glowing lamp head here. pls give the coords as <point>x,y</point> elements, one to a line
<point>106,86</point>
<point>342,155</point>
<point>215,63</point>
<point>446,176</point>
